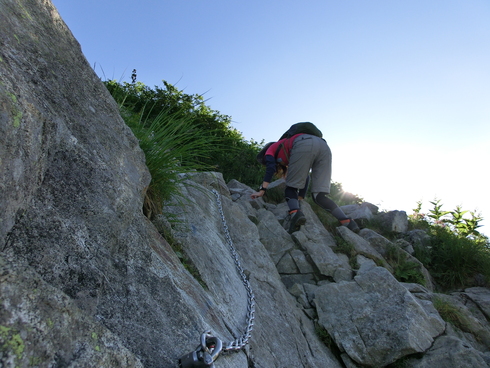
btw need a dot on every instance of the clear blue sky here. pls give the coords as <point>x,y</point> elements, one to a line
<point>400,89</point>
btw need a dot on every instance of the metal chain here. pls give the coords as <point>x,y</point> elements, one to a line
<point>240,342</point>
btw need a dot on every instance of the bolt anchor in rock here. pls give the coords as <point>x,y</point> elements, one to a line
<point>204,355</point>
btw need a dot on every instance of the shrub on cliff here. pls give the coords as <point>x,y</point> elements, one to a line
<point>458,254</point>
<point>227,152</point>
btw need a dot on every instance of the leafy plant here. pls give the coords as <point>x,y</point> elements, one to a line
<point>470,225</point>
<point>450,313</point>
<point>404,269</point>
<point>457,220</point>
<point>457,253</point>
<point>228,153</point>
<point>423,254</point>
<point>455,259</point>
<point>436,214</point>
<point>418,220</point>
<point>172,146</point>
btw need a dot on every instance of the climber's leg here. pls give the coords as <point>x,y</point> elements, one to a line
<point>329,205</point>
<point>297,217</point>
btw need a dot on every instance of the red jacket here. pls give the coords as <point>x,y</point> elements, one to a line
<point>278,152</point>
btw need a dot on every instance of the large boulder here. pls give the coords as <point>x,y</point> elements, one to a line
<point>363,211</point>
<point>361,246</point>
<point>450,352</point>
<point>393,221</point>
<point>480,296</point>
<point>374,319</point>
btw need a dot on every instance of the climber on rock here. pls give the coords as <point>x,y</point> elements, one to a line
<point>298,151</point>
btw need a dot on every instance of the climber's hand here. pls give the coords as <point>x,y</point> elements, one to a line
<point>256,195</point>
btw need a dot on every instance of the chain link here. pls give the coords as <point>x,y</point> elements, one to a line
<point>240,342</point>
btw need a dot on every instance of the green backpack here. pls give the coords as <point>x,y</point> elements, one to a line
<point>304,127</point>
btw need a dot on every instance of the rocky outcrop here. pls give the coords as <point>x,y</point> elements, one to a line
<point>86,280</point>
<point>375,319</point>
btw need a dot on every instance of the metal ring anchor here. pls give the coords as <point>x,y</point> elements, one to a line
<point>205,354</point>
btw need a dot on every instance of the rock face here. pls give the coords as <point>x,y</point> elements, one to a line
<point>376,320</point>
<point>87,281</point>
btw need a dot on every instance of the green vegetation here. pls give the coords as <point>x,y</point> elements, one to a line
<point>404,269</point>
<point>346,248</point>
<point>455,220</point>
<point>172,147</point>
<point>450,313</point>
<point>458,253</point>
<point>324,336</point>
<point>181,132</point>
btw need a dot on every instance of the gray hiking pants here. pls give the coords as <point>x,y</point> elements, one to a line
<point>310,152</point>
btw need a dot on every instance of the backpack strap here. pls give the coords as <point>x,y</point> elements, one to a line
<point>283,147</point>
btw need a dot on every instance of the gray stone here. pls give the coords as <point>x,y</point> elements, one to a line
<point>240,193</point>
<point>286,265</point>
<point>310,313</point>
<point>364,262</point>
<point>377,241</point>
<point>449,352</point>
<point>290,280</point>
<point>301,262</point>
<point>310,290</point>
<point>276,240</point>
<point>405,245</point>
<point>344,272</point>
<point>243,190</point>
<point>374,209</point>
<point>481,296</point>
<point>314,229</point>
<point>415,288</point>
<point>470,319</point>
<point>277,309</point>
<point>361,246</point>
<point>322,255</point>
<point>44,326</point>
<point>298,291</point>
<point>397,249</point>
<point>418,238</point>
<point>374,319</point>
<point>395,221</point>
<point>279,185</point>
<point>363,211</point>
<point>348,362</point>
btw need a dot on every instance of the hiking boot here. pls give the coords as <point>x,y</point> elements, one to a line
<point>297,219</point>
<point>350,224</point>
